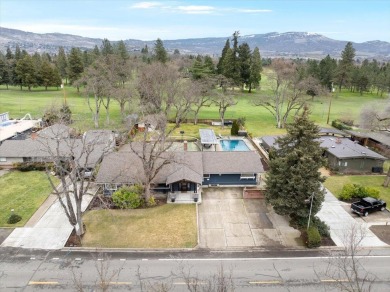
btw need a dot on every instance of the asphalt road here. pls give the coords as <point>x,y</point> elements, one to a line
<point>22,270</point>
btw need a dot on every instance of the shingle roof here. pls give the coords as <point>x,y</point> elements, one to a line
<point>345,148</point>
<point>225,162</point>
<point>383,138</point>
<point>332,131</point>
<point>126,167</point>
<point>339,147</point>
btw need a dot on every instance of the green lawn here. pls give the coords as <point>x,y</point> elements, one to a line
<point>24,192</point>
<point>336,183</point>
<point>166,226</point>
<point>259,121</point>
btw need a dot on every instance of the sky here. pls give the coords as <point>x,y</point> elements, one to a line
<point>350,20</point>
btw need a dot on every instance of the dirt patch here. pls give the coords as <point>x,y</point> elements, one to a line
<point>382,232</point>
<point>73,240</point>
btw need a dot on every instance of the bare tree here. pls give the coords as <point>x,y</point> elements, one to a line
<point>105,275</point>
<point>202,97</point>
<point>184,100</point>
<point>289,91</point>
<point>72,159</point>
<point>158,85</point>
<point>345,267</point>
<point>151,147</point>
<point>376,116</point>
<point>223,100</point>
<point>125,95</point>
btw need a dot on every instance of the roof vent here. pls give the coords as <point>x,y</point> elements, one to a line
<point>338,141</point>
<point>364,153</point>
<point>333,146</point>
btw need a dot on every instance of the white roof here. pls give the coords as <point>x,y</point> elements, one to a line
<point>207,136</point>
<point>10,128</point>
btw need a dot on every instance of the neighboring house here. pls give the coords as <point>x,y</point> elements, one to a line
<point>343,155</point>
<point>186,173</point>
<point>42,147</point>
<point>377,140</point>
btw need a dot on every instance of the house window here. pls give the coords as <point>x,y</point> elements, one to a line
<point>247,176</point>
<point>206,176</point>
<point>3,159</point>
<point>111,187</point>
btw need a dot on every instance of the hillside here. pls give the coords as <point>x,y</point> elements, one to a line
<point>273,44</point>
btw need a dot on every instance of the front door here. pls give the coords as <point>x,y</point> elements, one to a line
<point>184,186</point>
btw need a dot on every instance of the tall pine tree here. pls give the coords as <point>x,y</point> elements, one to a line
<point>255,70</point>
<point>294,177</point>
<point>345,67</point>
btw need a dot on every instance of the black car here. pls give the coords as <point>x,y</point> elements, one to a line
<point>368,205</point>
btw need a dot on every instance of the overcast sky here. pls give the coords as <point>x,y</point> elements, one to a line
<point>352,20</point>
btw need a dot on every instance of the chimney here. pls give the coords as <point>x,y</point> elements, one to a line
<point>185,144</point>
<point>33,135</point>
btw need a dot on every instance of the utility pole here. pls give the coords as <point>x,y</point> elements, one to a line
<point>330,103</point>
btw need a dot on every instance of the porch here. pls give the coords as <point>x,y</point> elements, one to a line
<point>184,197</point>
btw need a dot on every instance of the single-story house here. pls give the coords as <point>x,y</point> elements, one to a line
<point>377,140</point>
<point>343,154</point>
<point>54,141</point>
<point>187,171</point>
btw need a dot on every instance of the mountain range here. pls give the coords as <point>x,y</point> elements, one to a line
<point>273,44</point>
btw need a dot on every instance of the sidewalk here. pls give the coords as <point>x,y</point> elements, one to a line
<point>48,228</point>
<point>341,223</point>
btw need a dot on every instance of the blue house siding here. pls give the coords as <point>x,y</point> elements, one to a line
<point>228,179</point>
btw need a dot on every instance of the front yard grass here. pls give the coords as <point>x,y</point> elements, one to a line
<point>336,183</point>
<point>166,226</point>
<point>24,192</point>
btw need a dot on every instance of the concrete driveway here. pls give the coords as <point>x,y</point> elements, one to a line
<point>341,223</point>
<point>226,220</point>
<point>48,228</point>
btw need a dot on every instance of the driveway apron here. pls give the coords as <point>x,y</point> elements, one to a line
<point>226,220</point>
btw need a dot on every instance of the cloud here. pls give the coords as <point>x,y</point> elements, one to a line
<point>193,9</point>
<point>145,5</point>
<point>254,10</point>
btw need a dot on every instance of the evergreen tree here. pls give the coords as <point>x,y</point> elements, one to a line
<point>75,65</point>
<point>18,54</point>
<point>225,49</point>
<point>327,71</point>
<point>293,177</point>
<point>25,71</point>
<point>4,72</point>
<point>121,51</point>
<point>62,64</point>
<point>160,54</point>
<point>106,48</point>
<point>345,66</point>
<point>8,54</point>
<point>255,69</point>
<point>244,60</point>
<point>46,74</point>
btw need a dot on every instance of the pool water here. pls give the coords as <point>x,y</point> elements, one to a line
<point>233,145</point>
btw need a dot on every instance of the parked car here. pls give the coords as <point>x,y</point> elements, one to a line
<point>368,205</point>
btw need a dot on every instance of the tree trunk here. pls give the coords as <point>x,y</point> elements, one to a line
<point>147,192</point>
<point>80,226</point>
<point>387,179</point>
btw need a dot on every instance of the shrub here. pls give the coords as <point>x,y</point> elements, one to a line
<point>235,128</point>
<point>322,227</point>
<point>14,218</point>
<point>151,202</point>
<point>350,191</point>
<point>128,197</point>
<point>313,237</point>
<point>340,125</point>
<point>30,166</point>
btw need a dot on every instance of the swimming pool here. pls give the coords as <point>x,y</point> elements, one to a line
<point>233,145</point>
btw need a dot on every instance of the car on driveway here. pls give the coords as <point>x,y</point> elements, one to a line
<point>368,205</point>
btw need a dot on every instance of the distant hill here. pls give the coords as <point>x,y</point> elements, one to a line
<point>273,44</point>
